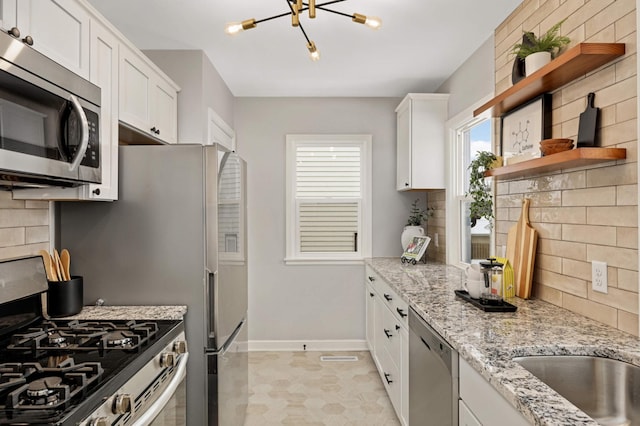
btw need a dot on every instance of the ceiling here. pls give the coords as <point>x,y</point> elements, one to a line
<point>420,44</point>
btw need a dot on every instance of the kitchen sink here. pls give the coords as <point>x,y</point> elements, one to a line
<point>608,390</point>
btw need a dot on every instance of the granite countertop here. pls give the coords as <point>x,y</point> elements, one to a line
<point>130,313</point>
<point>489,341</point>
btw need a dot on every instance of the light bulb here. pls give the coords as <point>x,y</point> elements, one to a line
<point>233,28</point>
<point>370,21</point>
<point>373,22</point>
<point>313,51</point>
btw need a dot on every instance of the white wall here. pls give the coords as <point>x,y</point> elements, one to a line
<point>472,81</point>
<point>311,302</point>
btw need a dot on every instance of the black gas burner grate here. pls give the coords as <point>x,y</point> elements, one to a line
<point>84,336</point>
<point>30,386</point>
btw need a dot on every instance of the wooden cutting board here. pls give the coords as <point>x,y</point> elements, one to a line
<point>526,240</point>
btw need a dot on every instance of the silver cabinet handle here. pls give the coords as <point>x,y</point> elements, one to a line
<point>84,139</point>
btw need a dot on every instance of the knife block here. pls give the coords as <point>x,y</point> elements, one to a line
<point>64,298</point>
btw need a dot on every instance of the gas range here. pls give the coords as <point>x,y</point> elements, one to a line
<point>62,372</point>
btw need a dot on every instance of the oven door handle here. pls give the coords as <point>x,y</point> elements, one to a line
<point>84,139</point>
<point>160,403</point>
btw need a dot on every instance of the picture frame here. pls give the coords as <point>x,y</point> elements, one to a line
<point>416,248</point>
<point>522,129</point>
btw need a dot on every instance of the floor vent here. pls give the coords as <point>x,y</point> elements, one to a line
<point>340,358</point>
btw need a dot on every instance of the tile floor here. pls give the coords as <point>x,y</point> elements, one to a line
<point>296,388</point>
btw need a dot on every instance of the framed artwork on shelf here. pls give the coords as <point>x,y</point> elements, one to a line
<point>415,249</point>
<point>523,128</point>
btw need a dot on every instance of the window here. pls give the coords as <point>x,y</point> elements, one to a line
<point>468,244</point>
<point>230,208</point>
<point>328,198</point>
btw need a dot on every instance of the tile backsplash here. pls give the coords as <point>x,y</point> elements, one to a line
<point>590,213</point>
<point>24,226</point>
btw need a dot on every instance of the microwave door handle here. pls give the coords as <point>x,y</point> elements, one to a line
<point>84,140</point>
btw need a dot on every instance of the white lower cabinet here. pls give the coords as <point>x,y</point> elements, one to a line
<point>484,404</point>
<point>465,416</point>
<point>388,341</point>
<point>370,306</point>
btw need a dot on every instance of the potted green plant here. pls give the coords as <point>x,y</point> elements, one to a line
<point>480,192</point>
<point>538,51</point>
<point>413,228</point>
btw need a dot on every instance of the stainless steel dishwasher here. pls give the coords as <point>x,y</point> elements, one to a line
<point>433,376</point>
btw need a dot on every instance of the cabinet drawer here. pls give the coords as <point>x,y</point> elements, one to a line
<point>396,305</point>
<point>390,375</point>
<point>389,336</point>
<point>372,278</point>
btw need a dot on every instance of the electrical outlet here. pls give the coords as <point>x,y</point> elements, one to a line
<point>599,276</point>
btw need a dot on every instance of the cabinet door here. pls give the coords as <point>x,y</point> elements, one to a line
<point>404,376</point>
<point>104,73</point>
<point>218,131</point>
<point>8,14</point>
<point>370,297</point>
<point>403,148</point>
<point>465,416</point>
<point>164,107</point>
<point>135,91</point>
<point>60,30</point>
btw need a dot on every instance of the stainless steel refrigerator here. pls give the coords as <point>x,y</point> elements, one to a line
<point>176,236</point>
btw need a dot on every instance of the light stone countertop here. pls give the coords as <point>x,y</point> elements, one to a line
<point>106,313</point>
<point>489,341</point>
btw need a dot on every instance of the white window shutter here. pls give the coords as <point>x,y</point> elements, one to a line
<point>328,193</point>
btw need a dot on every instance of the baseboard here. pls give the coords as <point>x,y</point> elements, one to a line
<point>307,345</point>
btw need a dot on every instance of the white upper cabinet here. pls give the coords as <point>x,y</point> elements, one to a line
<point>218,131</point>
<point>104,73</point>
<point>148,102</point>
<point>59,29</point>
<point>421,141</point>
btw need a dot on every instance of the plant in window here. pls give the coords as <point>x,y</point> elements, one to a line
<point>480,192</point>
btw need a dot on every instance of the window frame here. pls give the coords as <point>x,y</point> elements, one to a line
<point>293,255</point>
<point>455,179</point>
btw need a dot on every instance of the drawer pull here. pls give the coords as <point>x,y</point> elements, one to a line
<point>386,377</point>
<point>388,297</point>
<point>401,312</point>
<point>371,278</point>
<point>388,333</point>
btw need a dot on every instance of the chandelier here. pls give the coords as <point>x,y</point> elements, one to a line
<point>296,8</point>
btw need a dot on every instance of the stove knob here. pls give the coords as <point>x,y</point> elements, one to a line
<point>180,347</point>
<point>100,421</point>
<point>122,404</point>
<point>167,360</point>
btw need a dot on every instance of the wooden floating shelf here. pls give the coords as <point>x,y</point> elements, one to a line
<point>570,65</point>
<point>562,160</point>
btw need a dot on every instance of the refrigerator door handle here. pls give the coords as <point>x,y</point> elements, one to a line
<point>211,313</point>
<point>227,344</point>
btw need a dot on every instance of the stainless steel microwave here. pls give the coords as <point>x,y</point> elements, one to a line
<point>49,121</point>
